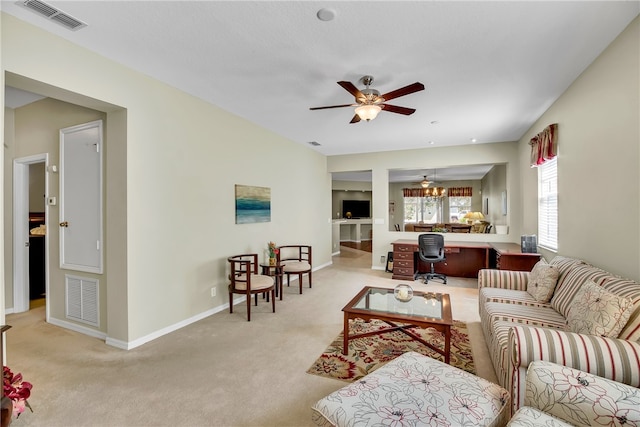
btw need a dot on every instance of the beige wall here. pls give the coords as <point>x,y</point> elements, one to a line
<point>36,188</point>
<point>493,184</point>
<point>171,172</point>
<point>36,128</point>
<point>598,161</point>
<point>7,164</point>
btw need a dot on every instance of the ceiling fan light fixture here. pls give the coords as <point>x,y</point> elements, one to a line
<point>425,183</point>
<point>368,112</point>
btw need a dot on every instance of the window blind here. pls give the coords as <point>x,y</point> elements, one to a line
<point>548,204</point>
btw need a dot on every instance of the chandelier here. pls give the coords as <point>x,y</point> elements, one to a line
<point>433,192</point>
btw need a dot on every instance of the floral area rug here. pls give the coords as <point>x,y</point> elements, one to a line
<point>369,353</point>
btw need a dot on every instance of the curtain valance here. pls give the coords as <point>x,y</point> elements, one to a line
<point>414,192</point>
<point>544,145</point>
<point>460,191</point>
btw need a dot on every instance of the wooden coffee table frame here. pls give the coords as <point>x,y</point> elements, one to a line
<point>442,325</point>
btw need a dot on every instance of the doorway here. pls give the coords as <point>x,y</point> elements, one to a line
<point>30,221</point>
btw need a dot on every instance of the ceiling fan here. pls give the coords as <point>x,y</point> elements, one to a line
<point>369,102</point>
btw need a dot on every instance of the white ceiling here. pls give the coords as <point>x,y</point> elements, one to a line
<point>490,68</point>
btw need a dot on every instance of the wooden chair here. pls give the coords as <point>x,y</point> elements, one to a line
<point>244,279</point>
<point>296,260</point>
<point>423,227</point>
<point>461,228</point>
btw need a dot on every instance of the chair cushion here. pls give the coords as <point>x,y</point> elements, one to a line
<point>296,266</point>
<point>596,311</point>
<point>542,281</point>
<point>258,281</point>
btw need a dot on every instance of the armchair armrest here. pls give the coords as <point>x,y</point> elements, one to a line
<point>504,279</point>
<point>580,398</point>
<point>611,358</point>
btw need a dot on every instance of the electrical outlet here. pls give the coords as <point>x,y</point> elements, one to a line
<point>381,259</point>
<point>213,292</point>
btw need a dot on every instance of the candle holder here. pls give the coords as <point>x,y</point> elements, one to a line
<point>403,293</point>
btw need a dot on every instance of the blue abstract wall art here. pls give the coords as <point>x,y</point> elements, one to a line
<point>253,204</point>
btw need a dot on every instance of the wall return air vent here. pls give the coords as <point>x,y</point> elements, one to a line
<point>54,14</point>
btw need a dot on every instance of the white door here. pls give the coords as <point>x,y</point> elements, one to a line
<point>21,231</point>
<point>81,197</point>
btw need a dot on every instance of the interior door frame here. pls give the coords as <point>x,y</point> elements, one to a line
<point>21,228</point>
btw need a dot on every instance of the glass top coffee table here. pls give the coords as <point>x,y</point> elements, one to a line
<point>425,310</point>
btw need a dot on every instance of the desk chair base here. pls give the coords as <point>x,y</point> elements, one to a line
<point>431,275</point>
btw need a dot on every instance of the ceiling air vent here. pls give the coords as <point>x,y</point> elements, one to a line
<point>54,14</point>
<point>314,143</point>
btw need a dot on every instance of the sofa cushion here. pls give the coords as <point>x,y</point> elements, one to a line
<point>542,281</point>
<point>570,284</point>
<point>565,264</point>
<point>629,289</point>
<point>538,316</point>
<point>509,296</point>
<point>596,311</point>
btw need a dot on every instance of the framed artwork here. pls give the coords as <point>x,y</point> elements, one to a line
<point>253,204</point>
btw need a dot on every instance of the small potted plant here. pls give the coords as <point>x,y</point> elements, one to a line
<point>273,252</point>
<point>17,391</point>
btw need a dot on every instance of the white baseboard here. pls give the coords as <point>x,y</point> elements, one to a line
<point>128,345</point>
<point>77,328</point>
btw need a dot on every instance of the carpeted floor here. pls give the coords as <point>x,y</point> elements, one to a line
<point>367,354</point>
<point>219,371</point>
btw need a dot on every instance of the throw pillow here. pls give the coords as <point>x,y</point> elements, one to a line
<point>542,281</point>
<point>596,311</point>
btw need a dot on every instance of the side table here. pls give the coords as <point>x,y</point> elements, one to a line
<point>276,272</point>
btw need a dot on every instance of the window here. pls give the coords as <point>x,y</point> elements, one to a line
<point>458,207</point>
<point>425,209</point>
<point>548,204</point>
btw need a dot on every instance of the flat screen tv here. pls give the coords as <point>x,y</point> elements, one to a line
<point>358,208</point>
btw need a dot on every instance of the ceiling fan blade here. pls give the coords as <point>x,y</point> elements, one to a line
<point>400,110</point>
<point>355,119</point>
<point>415,87</point>
<point>349,87</point>
<point>333,106</point>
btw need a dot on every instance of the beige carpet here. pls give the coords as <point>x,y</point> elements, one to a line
<point>220,371</point>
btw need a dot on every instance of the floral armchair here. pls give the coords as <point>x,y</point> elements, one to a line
<point>557,395</point>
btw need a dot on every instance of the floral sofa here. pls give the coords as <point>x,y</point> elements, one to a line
<point>415,390</point>
<point>566,312</point>
<point>557,396</point>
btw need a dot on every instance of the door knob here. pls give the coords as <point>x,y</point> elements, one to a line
<point>64,224</point>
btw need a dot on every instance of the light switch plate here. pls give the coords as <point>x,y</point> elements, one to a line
<point>51,201</point>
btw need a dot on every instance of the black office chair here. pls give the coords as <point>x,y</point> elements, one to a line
<point>431,250</point>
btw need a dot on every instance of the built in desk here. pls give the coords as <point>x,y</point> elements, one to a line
<point>508,256</point>
<point>463,259</point>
